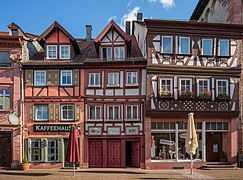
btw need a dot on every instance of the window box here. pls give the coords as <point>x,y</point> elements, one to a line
<point>204,98</point>
<point>223,97</point>
<point>187,94</point>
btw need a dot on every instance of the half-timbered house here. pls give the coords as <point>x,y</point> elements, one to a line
<point>192,67</point>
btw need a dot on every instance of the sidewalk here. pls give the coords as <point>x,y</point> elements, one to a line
<point>115,174</point>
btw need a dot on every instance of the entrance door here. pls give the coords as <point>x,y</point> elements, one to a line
<point>114,153</point>
<point>5,149</point>
<point>95,153</point>
<point>135,154</point>
<point>214,146</point>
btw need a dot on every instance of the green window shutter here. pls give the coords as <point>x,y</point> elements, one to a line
<point>51,112</point>
<point>52,77</point>
<point>61,150</point>
<point>76,77</point>
<point>57,114</point>
<point>31,112</point>
<point>77,112</point>
<point>29,77</point>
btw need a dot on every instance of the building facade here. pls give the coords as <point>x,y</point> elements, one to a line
<point>192,67</point>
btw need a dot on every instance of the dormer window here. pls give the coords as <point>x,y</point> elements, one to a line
<point>107,53</point>
<point>51,52</point>
<point>64,51</point>
<point>119,53</point>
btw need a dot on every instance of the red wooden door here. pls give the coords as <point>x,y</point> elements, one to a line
<point>95,153</point>
<point>113,153</point>
<point>135,154</point>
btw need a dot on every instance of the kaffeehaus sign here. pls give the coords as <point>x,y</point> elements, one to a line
<point>52,128</point>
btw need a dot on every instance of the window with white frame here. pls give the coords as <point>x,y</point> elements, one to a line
<point>203,87</point>
<point>167,42</point>
<point>39,78</point>
<point>94,79</point>
<point>4,99</point>
<point>41,113</point>
<point>113,79</point>
<point>207,47</point>
<point>165,87</point>
<point>185,85</point>
<point>66,77</point>
<point>184,45</point>
<point>113,112</point>
<point>119,53</point>
<point>53,150</point>
<point>107,53</point>
<point>64,51</point>
<point>132,112</point>
<point>223,47</point>
<point>51,52</point>
<point>36,150</point>
<point>132,78</point>
<point>222,88</point>
<point>94,112</point>
<point>67,112</point>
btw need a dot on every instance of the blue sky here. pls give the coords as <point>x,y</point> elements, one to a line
<point>35,16</point>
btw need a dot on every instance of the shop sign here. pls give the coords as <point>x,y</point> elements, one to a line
<point>132,130</point>
<point>114,130</point>
<point>52,128</point>
<point>166,142</point>
<point>94,130</point>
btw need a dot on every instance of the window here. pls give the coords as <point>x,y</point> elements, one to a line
<point>185,85</point>
<point>4,100</point>
<point>119,53</point>
<point>222,88</point>
<point>207,47</point>
<point>67,113</point>
<point>165,86</point>
<point>51,52</point>
<point>66,77</point>
<point>36,149</point>
<point>107,53</point>
<point>4,59</point>
<point>223,47</point>
<point>113,79</point>
<point>52,150</point>
<point>167,44</point>
<point>203,87</point>
<point>184,45</point>
<point>113,112</point>
<point>132,78</point>
<point>41,113</point>
<point>40,78</point>
<point>94,79</point>
<point>64,51</point>
<point>94,112</point>
<point>132,112</point>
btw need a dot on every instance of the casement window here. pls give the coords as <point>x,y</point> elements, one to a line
<point>223,47</point>
<point>4,100</point>
<point>207,47</point>
<point>4,59</point>
<point>113,112</point>
<point>39,78</point>
<point>165,86</point>
<point>94,79</point>
<point>222,87</point>
<point>36,150</point>
<point>203,87</point>
<point>51,52</point>
<point>53,150</point>
<point>132,78</point>
<point>132,112</point>
<point>184,45</point>
<point>167,44</point>
<point>119,53</point>
<point>107,53</point>
<point>185,85</point>
<point>113,79</point>
<point>64,51</point>
<point>67,112</point>
<point>66,77</point>
<point>41,113</point>
<point>94,112</point>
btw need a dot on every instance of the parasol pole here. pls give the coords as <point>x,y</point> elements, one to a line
<point>191,165</point>
<point>73,169</point>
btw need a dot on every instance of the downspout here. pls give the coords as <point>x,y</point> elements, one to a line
<point>22,109</point>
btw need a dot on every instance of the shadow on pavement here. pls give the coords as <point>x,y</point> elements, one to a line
<point>24,174</point>
<point>109,172</point>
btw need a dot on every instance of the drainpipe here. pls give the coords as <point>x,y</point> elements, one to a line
<point>22,109</point>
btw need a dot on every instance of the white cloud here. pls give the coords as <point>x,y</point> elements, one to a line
<point>111,18</point>
<point>167,4</point>
<point>130,16</point>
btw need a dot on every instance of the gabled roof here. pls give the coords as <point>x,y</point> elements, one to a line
<point>114,26</point>
<point>54,27</point>
<point>199,9</point>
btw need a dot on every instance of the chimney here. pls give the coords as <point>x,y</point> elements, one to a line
<point>139,16</point>
<point>88,33</point>
<point>128,27</point>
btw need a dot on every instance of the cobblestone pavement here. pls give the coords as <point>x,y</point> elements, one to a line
<point>117,174</point>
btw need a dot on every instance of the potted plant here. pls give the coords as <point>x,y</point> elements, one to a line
<point>205,94</point>
<point>165,94</point>
<point>223,96</point>
<point>25,165</point>
<point>223,157</point>
<point>187,94</point>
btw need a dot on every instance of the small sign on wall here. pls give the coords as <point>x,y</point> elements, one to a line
<point>114,131</point>
<point>94,130</point>
<point>132,130</point>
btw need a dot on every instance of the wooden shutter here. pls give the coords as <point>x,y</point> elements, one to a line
<point>51,112</point>
<point>52,77</point>
<point>76,77</point>
<point>60,150</point>
<point>31,112</point>
<point>29,77</point>
<point>57,114</point>
<point>77,112</point>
